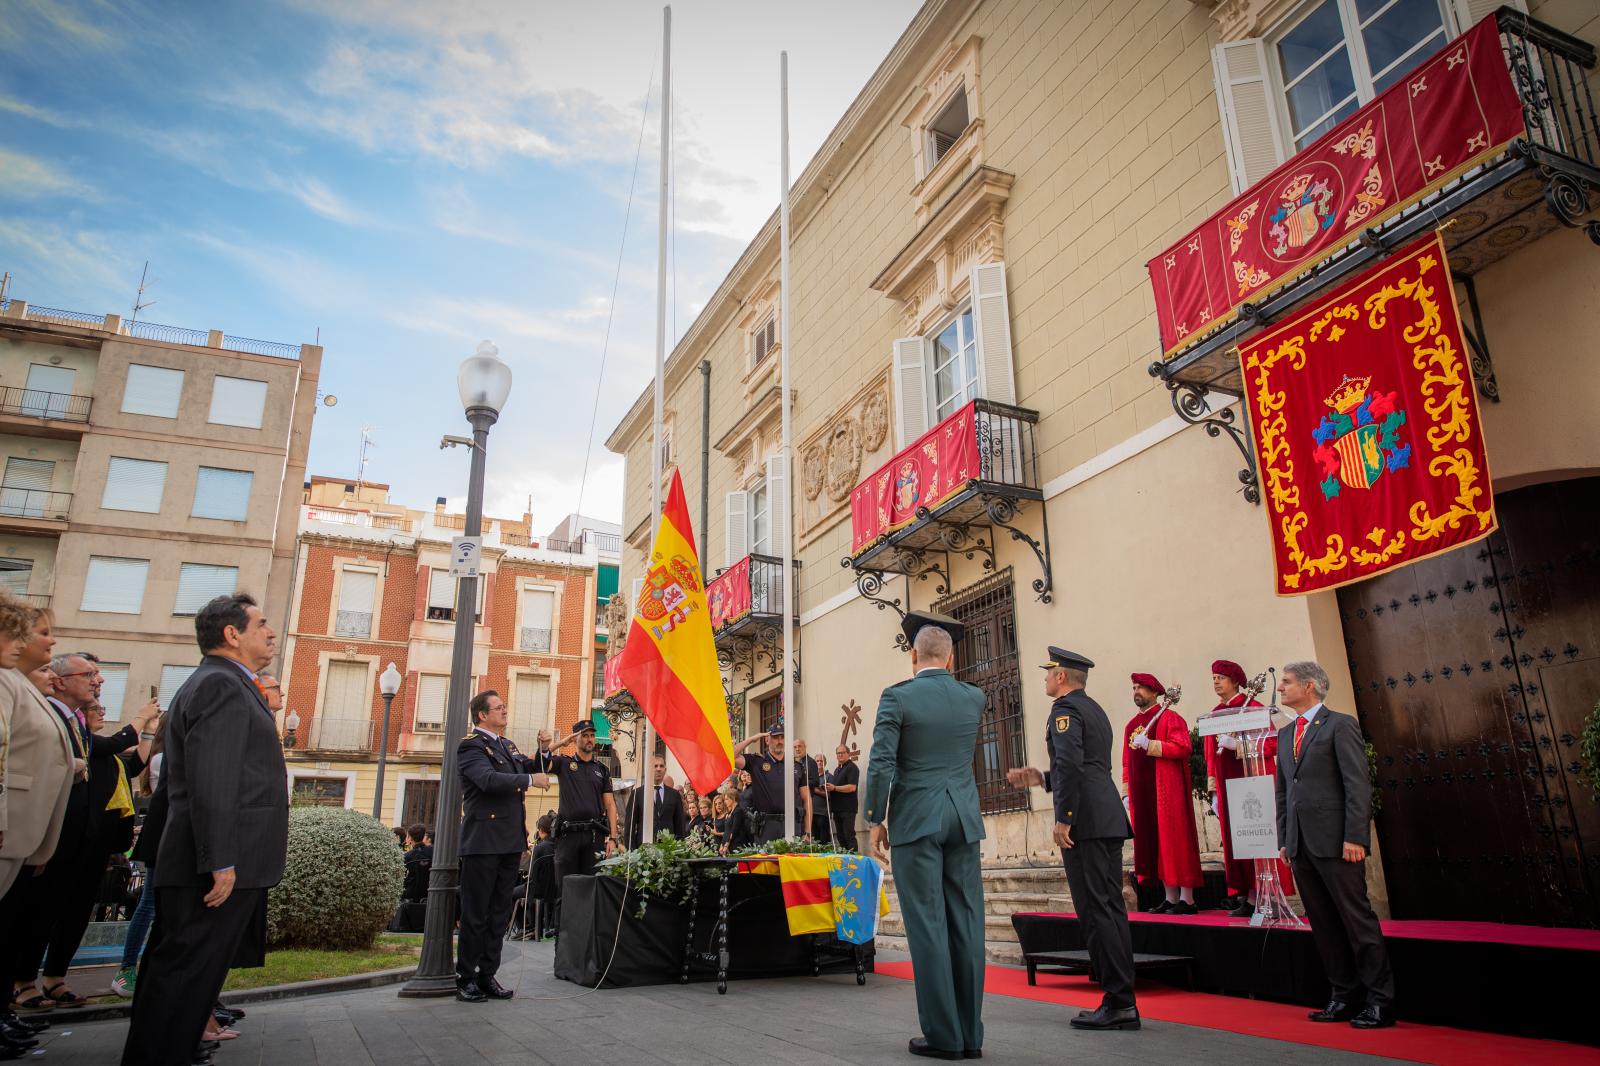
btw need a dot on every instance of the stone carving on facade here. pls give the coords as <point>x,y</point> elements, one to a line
<point>844,458</point>
<point>616,621</point>
<point>874,421</point>
<point>813,470</point>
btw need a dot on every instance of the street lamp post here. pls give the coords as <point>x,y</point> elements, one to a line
<point>484,382</point>
<point>388,685</point>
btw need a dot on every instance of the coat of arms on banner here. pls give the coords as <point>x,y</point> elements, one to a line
<point>1364,416</point>
<point>1304,211</point>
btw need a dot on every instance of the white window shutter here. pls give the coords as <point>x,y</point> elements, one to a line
<point>200,583</point>
<point>132,485</point>
<point>114,586</point>
<point>778,503</point>
<point>152,390</point>
<point>432,693</point>
<point>1471,12</point>
<point>114,690</point>
<point>237,402</point>
<point>172,679</point>
<point>991,324</point>
<point>441,589</point>
<point>911,419</point>
<point>1247,96</point>
<point>634,594</point>
<point>736,530</point>
<point>222,494</point>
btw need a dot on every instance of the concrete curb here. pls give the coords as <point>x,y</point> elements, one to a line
<point>98,1012</point>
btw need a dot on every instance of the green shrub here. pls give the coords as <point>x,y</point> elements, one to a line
<point>341,883</point>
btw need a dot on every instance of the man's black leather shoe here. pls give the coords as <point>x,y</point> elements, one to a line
<point>17,1034</point>
<point>469,992</point>
<point>1337,1010</point>
<point>21,1043</point>
<point>1373,1017</point>
<point>919,1046</point>
<point>972,1053</point>
<point>492,988</point>
<point>33,1025</point>
<point>1106,1017</point>
<point>1160,908</point>
<point>1181,908</point>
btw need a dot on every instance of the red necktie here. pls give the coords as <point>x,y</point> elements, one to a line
<point>1299,734</point>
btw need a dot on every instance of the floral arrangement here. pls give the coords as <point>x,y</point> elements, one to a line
<point>660,869</point>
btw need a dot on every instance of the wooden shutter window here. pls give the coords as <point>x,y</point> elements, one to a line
<point>200,583</point>
<point>223,494</point>
<point>735,529</point>
<point>778,503</point>
<point>133,485</point>
<point>114,586</point>
<point>433,692</point>
<point>15,574</point>
<point>441,590</point>
<point>1247,97</point>
<point>991,324</point>
<point>152,390</point>
<point>538,620</point>
<point>114,691</point>
<point>1469,13</point>
<point>911,411</point>
<point>358,597</point>
<point>237,402</point>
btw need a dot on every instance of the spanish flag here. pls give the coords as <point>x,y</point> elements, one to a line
<point>808,893</point>
<point>670,661</point>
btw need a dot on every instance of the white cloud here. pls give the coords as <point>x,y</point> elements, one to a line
<point>28,177</point>
<point>39,114</point>
<point>71,263</point>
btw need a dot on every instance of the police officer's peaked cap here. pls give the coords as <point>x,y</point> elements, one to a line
<point>1069,659</point>
<point>913,622</point>
<point>583,725</point>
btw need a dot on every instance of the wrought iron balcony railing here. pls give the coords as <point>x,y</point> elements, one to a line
<point>35,503</point>
<point>1547,177</point>
<point>36,403</point>
<point>746,604</point>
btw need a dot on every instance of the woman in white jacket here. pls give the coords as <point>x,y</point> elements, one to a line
<point>35,753</point>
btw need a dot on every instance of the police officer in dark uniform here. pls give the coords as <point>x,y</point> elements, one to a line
<point>586,817</point>
<point>494,833</point>
<point>765,810</point>
<point>1091,825</point>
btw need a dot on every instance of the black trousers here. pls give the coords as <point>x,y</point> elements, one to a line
<point>1347,933</point>
<point>488,883</point>
<point>58,911</point>
<point>844,830</point>
<point>821,832</point>
<point>180,977</point>
<point>1094,874</point>
<point>575,853</point>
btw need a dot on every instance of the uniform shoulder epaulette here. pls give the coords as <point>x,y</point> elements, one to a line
<point>897,684</point>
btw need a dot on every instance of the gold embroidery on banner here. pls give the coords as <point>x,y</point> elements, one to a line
<point>1360,142</point>
<point>1384,553</point>
<point>1238,224</point>
<point>1369,198</point>
<point>1248,277</point>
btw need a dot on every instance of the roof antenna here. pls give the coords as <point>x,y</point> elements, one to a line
<point>139,302</point>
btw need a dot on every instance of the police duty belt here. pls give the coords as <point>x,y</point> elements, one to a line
<point>585,825</point>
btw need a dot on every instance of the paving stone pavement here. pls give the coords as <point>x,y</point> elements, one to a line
<point>816,1021</point>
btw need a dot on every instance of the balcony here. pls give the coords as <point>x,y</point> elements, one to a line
<point>340,735</point>
<point>951,491</point>
<point>41,413</point>
<point>1494,196</point>
<point>33,510</point>
<point>746,604</point>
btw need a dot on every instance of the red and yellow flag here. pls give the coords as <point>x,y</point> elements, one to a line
<point>670,661</point>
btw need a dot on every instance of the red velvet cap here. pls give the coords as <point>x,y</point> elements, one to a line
<point>1149,681</point>
<point>1231,670</point>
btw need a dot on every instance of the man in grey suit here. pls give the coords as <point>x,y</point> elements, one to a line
<point>1324,811</point>
<point>226,834</point>
<point>921,793</point>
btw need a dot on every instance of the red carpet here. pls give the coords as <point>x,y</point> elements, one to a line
<point>1280,1021</point>
<point>1532,936</point>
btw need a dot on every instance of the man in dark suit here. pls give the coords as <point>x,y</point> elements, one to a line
<point>494,833</point>
<point>669,812</point>
<point>920,793</point>
<point>419,865</point>
<point>226,835</point>
<point>1091,825</point>
<point>1324,814</point>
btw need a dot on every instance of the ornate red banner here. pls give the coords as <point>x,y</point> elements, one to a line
<point>728,595</point>
<point>936,466</point>
<point>1454,111</point>
<point>1364,417</point>
<point>613,675</point>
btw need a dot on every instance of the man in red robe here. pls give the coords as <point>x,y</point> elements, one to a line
<point>1224,762</point>
<point>1155,771</point>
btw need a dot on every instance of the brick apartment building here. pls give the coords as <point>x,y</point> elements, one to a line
<point>372,587</point>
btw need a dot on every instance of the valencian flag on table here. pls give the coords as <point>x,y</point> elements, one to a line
<point>1364,417</point>
<point>670,661</point>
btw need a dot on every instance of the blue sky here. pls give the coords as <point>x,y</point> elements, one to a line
<point>409,177</point>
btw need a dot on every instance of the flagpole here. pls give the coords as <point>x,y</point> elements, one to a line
<point>791,717</point>
<point>647,740</point>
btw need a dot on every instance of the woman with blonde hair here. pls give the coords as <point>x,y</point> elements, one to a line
<point>36,757</point>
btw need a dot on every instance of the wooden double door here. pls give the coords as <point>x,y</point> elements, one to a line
<point>1474,672</point>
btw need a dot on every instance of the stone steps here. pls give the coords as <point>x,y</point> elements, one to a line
<point>1009,954</point>
<point>1008,888</point>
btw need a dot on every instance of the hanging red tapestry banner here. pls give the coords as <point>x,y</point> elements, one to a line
<point>1451,113</point>
<point>728,595</point>
<point>924,474</point>
<point>1364,417</point>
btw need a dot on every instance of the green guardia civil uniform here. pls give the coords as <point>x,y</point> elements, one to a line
<point>919,776</point>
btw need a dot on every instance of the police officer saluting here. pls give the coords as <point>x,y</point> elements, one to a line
<point>586,817</point>
<point>1091,825</point>
<point>494,833</point>
<point>765,811</point>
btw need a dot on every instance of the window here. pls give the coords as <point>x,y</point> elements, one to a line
<point>200,583</point>
<point>48,390</point>
<point>760,521</point>
<point>420,802</point>
<point>538,619</point>
<point>771,711</point>
<point>319,791</point>
<point>25,491</point>
<point>15,575</point>
<point>152,390</point>
<point>134,485</point>
<point>172,679</point>
<point>222,494</point>
<point>114,690</point>
<point>955,366</point>
<point>433,692</point>
<point>345,723</point>
<point>115,586</point>
<point>237,402</point>
<point>597,687</point>
<point>764,339</point>
<point>530,710</point>
<point>947,127</point>
<point>1342,53</point>
<point>358,596</point>
<point>442,596</point>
